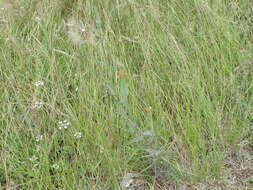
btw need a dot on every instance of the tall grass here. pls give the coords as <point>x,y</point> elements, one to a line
<point>160,88</point>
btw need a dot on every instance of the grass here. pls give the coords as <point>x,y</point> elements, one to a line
<point>158,94</point>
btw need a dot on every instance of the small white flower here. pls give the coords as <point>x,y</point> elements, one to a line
<point>39,138</point>
<point>33,158</point>
<point>38,105</point>
<point>39,83</point>
<point>78,135</point>
<point>101,149</point>
<point>82,29</point>
<point>55,166</point>
<point>63,124</point>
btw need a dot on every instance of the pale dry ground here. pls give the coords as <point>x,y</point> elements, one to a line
<point>132,95</point>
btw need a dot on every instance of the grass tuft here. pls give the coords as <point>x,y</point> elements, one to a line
<point>126,94</point>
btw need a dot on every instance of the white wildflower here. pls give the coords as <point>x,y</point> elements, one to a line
<point>55,166</point>
<point>63,124</point>
<point>38,105</point>
<point>39,83</point>
<point>78,135</point>
<point>39,138</point>
<point>33,158</point>
<point>101,149</point>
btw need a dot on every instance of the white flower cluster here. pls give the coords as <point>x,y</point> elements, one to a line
<point>63,124</point>
<point>38,105</point>
<point>78,135</point>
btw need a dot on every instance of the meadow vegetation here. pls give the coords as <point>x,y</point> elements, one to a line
<point>126,94</point>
